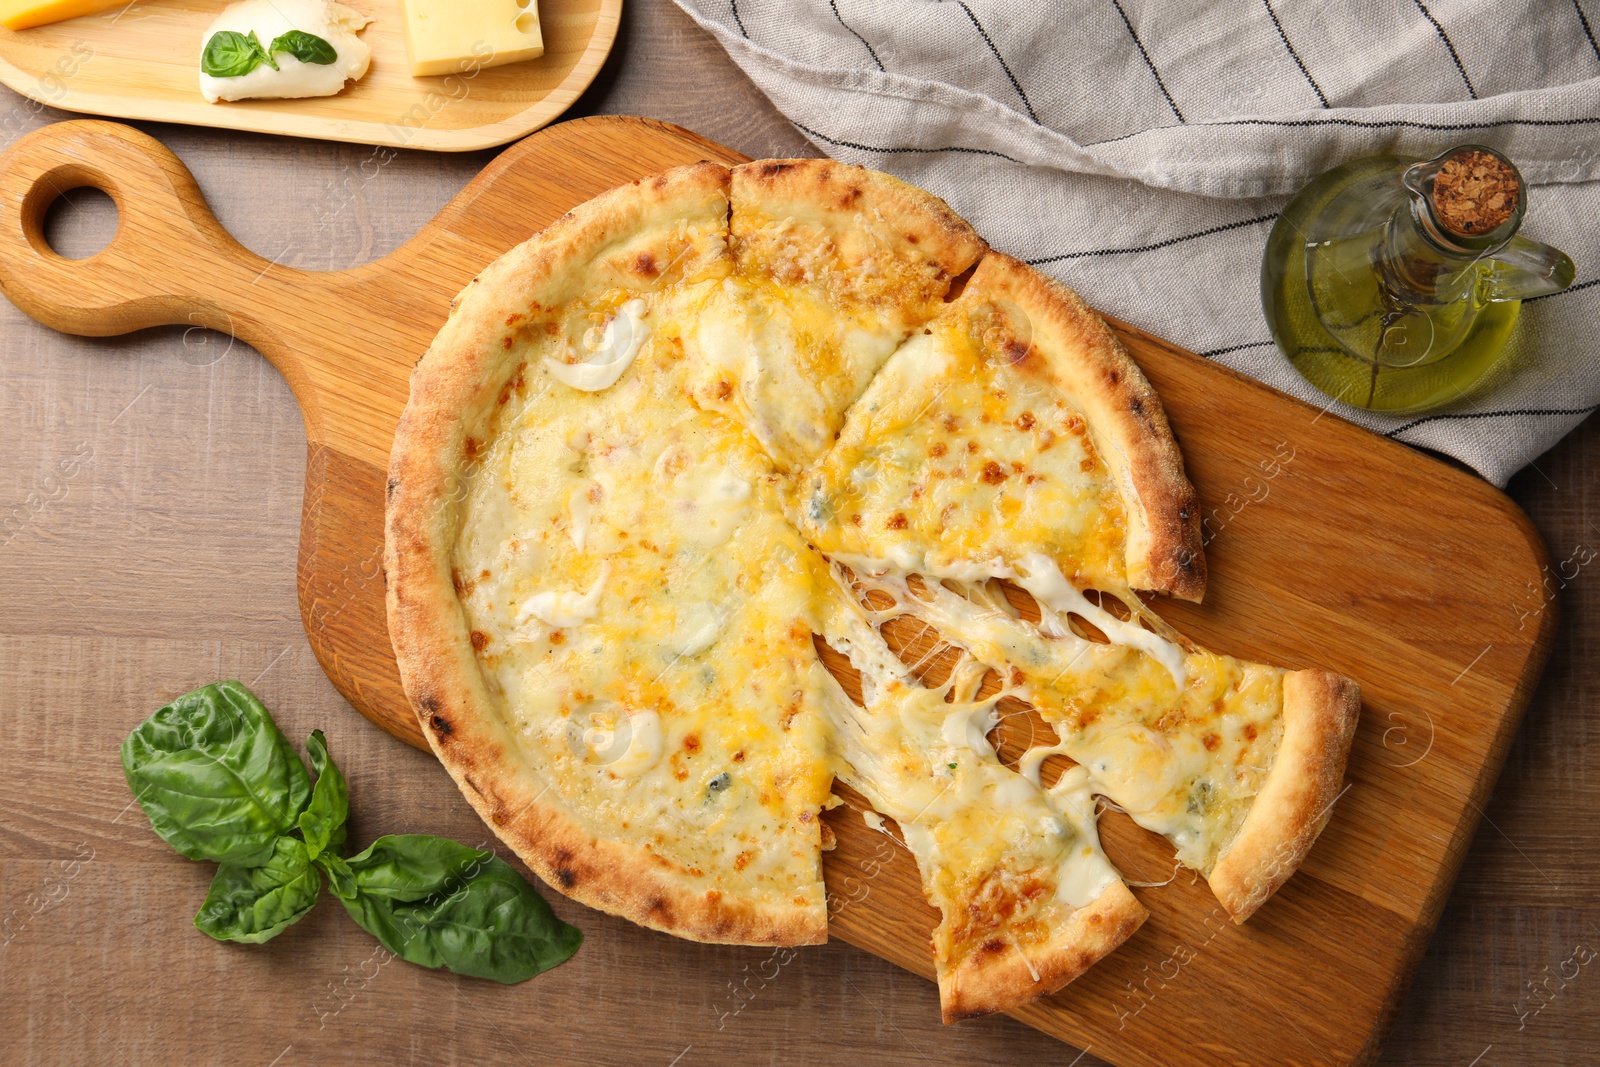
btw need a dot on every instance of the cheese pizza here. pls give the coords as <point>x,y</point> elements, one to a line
<point>711,422</point>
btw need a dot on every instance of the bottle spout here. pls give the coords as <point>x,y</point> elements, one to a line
<point>1525,268</point>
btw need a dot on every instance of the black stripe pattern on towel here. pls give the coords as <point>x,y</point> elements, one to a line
<point>1140,151</point>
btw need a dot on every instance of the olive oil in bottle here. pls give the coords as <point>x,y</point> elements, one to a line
<point>1393,285</point>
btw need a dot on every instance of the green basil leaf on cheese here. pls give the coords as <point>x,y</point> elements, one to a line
<point>306,47</point>
<point>215,776</point>
<point>322,824</point>
<point>230,54</point>
<point>438,903</point>
<point>256,904</point>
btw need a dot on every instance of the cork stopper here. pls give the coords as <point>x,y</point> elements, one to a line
<point>1475,192</point>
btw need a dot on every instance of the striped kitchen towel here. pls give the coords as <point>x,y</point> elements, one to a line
<point>1140,150</point>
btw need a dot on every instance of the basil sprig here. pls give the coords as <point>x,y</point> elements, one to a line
<point>221,783</point>
<point>231,54</point>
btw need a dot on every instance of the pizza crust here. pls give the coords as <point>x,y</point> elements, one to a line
<point>1320,712</point>
<point>834,197</point>
<point>1086,362</point>
<point>998,978</point>
<point>454,390</point>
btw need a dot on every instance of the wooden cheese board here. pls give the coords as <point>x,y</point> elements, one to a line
<point>142,61</point>
<point>1328,546</point>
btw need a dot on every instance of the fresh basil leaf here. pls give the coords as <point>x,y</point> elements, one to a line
<point>341,879</point>
<point>322,824</point>
<point>306,47</point>
<point>230,54</point>
<point>437,903</point>
<point>216,777</point>
<point>256,904</point>
<point>409,867</point>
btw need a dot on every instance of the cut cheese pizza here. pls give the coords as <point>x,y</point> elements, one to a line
<point>710,423</point>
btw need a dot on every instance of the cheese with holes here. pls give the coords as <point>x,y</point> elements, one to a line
<point>26,14</point>
<point>448,37</point>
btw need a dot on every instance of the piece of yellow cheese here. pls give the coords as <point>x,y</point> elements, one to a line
<point>26,14</point>
<point>448,37</point>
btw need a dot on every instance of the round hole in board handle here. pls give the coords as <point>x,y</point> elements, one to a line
<point>79,223</point>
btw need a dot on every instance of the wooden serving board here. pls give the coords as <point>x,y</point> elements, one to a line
<point>1328,546</point>
<point>142,61</point>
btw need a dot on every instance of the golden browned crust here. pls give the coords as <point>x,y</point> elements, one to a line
<point>1078,352</point>
<point>996,976</point>
<point>452,399</point>
<point>1320,711</point>
<point>840,195</point>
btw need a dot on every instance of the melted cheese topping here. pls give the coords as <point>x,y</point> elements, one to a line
<point>1182,751</point>
<point>611,352</point>
<point>999,855</point>
<point>639,565</point>
<point>658,692</point>
<point>953,458</point>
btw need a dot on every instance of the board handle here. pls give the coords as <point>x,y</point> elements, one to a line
<point>169,261</point>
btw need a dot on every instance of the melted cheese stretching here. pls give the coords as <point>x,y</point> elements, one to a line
<point>1183,762</point>
<point>999,856</point>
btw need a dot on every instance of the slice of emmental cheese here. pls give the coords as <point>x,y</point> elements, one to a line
<point>448,37</point>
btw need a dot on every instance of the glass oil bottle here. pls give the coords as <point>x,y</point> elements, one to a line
<point>1393,285</point>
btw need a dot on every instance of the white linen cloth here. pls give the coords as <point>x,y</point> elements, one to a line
<point>1139,150</point>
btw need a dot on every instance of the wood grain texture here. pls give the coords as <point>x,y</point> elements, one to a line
<point>150,494</point>
<point>142,62</point>
<point>1328,547</point>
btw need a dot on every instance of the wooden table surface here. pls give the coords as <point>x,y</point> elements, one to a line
<point>149,511</point>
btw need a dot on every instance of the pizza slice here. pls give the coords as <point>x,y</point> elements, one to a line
<point>576,594</point>
<point>1011,438</point>
<point>1014,423</point>
<point>1027,899</point>
<point>1237,764</point>
<point>833,266</point>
